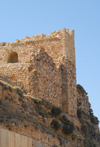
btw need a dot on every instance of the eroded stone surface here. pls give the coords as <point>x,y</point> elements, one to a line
<point>44,66</point>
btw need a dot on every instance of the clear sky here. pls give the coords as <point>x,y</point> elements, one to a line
<point>20,18</point>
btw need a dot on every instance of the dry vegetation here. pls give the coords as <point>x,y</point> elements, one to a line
<point>17,108</point>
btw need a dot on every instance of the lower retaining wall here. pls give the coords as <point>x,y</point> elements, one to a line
<point>11,139</point>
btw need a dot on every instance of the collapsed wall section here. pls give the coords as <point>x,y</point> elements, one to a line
<point>45,79</point>
<point>57,84</point>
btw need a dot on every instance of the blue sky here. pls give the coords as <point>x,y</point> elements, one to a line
<point>20,18</point>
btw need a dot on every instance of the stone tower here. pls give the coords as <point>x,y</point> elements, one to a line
<point>44,66</point>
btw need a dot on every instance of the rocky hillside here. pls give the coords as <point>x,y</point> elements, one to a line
<point>48,126</point>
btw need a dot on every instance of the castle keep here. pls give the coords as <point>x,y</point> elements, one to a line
<point>44,66</point>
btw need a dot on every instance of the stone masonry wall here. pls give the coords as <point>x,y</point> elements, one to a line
<point>69,86</point>
<point>15,72</point>
<point>50,74</point>
<point>12,139</point>
<point>45,79</point>
<point>54,44</point>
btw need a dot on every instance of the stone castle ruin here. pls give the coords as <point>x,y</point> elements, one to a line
<point>44,66</point>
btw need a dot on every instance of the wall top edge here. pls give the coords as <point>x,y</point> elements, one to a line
<point>41,37</point>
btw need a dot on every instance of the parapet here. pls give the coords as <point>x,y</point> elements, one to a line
<point>55,34</point>
<point>57,44</point>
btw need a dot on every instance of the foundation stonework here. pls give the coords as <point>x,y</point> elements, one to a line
<point>44,66</point>
<point>12,139</point>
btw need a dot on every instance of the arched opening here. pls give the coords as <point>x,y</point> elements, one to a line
<point>13,57</point>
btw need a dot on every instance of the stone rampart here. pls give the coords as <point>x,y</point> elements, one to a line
<point>57,44</point>
<point>12,139</point>
<point>45,65</point>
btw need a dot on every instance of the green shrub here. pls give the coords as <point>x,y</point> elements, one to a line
<point>88,143</point>
<point>91,130</point>
<point>55,124</point>
<point>68,126</point>
<point>18,90</point>
<point>79,113</point>
<point>88,130</point>
<point>42,113</point>
<point>39,108</point>
<point>78,103</point>
<point>68,129</point>
<point>55,111</point>
<point>37,100</point>
<point>81,90</point>
<point>84,129</point>
<point>94,120</point>
<point>82,114</point>
<point>74,136</point>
